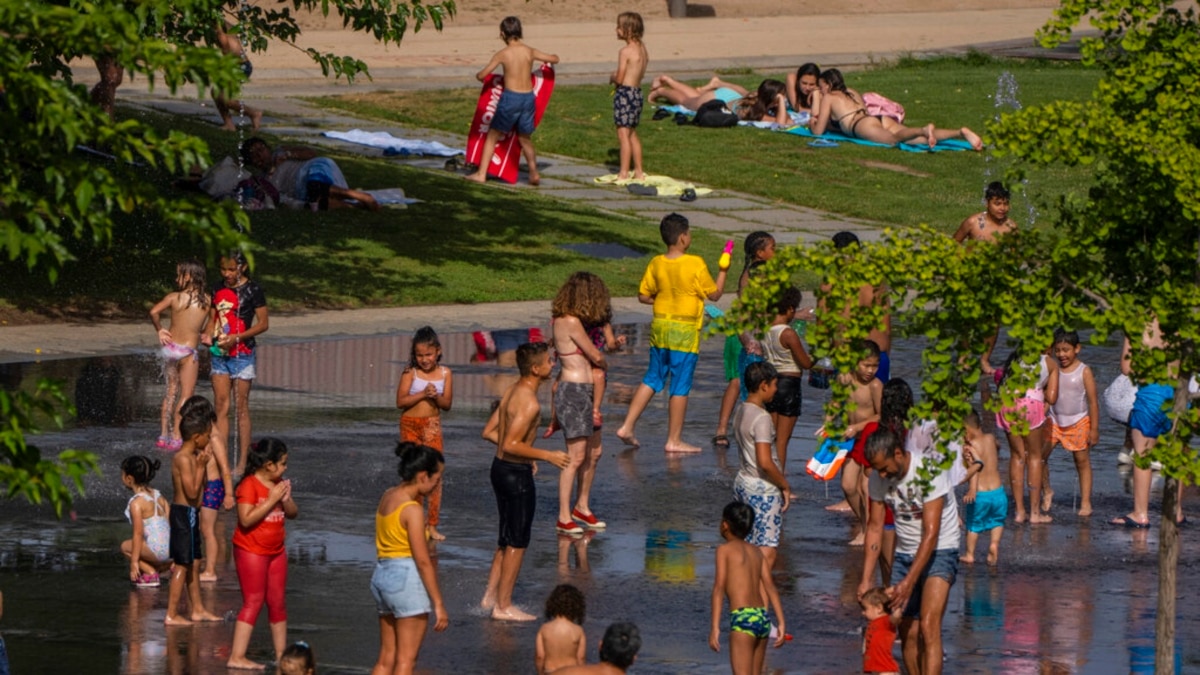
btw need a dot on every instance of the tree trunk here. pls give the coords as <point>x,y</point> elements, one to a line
<point>1168,562</point>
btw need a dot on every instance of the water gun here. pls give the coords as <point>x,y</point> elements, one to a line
<point>726,255</point>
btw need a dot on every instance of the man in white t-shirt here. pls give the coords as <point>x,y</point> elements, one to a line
<point>927,540</point>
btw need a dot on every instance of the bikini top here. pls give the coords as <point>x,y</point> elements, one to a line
<point>419,385</point>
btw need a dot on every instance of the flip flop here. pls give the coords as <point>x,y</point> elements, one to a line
<point>643,190</point>
<point>689,195</point>
<point>720,440</point>
<point>453,164</point>
<point>682,119</point>
<point>661,114</point>
<point>1126,521</point>
<point>822,143</point>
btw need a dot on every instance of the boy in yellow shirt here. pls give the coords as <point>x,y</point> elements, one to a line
<point>677,285</point>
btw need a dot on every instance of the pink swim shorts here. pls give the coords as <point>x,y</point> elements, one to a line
<point>1032,409</point>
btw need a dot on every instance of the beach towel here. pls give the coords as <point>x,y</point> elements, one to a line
<point>391,197</point>
<point>666,186</point>
<point>954,144</point>
<point>392,145</point>
<point>797,117</point>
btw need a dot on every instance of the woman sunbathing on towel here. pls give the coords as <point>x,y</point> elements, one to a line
<point>840,109</point>
<point>768,104</point>
<point>802,85</point>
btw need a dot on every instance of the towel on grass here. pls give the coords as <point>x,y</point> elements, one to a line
<point>391,197</point>
<point>953,144</point>
<point>392,145</point>
<point>797,117</point>
<point>666,186</point>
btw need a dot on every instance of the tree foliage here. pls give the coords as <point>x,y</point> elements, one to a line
<point>72,176</point>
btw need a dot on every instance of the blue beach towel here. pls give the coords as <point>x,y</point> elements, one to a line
<point>392,145</point>
<point>953,144</point>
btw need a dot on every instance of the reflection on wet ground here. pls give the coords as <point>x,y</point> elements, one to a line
<point>1075,596</point>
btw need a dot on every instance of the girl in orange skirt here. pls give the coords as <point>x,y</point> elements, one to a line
<point>425,390</point>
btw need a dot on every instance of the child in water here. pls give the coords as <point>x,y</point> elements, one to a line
<point>149,549</point>
<point>1074,417</point>
<point>425,390</point>
<point>880,633</point>
<point>188,305</point>
<point>743,577</point>
<point>298,659</point>
<point>405,582</point>
<point>264,503</point>
<point>987,503</point>
<point>561,641</point>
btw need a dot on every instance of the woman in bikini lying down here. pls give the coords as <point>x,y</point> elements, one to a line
<point>767,104</point>
<point>840,109</point>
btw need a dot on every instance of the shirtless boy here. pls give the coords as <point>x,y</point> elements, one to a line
<point>987,503</point>
<point>866,395</point>
<point>627,100</point>
<point>515,110</point>
<point>991,223</point>
<point>512,428</point>
<point>743,577</point>
<point>187,477</point>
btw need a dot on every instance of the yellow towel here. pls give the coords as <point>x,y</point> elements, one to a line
<point>666,186</point>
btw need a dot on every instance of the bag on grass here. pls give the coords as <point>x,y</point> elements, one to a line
<point>714,114</point>
<point>878,104</point>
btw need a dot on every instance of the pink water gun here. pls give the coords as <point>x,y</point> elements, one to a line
<point>726,256</point>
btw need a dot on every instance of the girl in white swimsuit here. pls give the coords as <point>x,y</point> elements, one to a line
<point>148,549</point>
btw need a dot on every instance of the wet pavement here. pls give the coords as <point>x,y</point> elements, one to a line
<point>1075,596</point>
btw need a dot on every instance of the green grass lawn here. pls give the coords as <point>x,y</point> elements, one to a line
<point>889,186</point>
<point>463,244</point>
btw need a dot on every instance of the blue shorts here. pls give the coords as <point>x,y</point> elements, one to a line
<point>943,565</point>
<point>989,511</point>
<point>885,368</point>
<point>234,367</point>
<point>680,366</point>
<point>514,112</point>
<point>398,589</point>
<point>1148,415</point>
<point>3,658</point>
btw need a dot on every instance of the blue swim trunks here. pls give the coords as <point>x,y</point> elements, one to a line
<point>750,620</point>
<point>1148,415</point>
<point>989,511</point>
<point>514,112</point>
<point>679,366</point>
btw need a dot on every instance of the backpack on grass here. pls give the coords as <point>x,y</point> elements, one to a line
<point>714,114</point>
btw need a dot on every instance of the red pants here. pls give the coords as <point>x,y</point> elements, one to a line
<point>426,431</point>
<point>263,579</point>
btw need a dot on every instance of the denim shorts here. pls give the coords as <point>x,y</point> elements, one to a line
<point>943,565</point>
<point>234,367</point>
<point>398,588</point>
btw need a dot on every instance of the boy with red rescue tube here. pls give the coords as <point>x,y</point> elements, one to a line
<point>515,110</point>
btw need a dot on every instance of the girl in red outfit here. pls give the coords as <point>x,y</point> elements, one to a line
<point>264,501</point>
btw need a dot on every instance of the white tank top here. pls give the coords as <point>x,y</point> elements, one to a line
<point>778,355</point>
<point>1072,403</point>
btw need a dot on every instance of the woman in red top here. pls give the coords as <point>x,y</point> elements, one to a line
<point>264,501</point>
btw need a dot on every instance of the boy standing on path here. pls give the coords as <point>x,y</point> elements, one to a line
<point>512,428</point>
<point>676,284</point>
<point>516,107</point>
<point>627,99</point>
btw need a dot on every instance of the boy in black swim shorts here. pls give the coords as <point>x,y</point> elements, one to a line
<point>512,427</point>
<point>627,99</point>
<point>187,477</point>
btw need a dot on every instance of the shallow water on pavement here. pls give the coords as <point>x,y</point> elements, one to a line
<point>1077,595</point>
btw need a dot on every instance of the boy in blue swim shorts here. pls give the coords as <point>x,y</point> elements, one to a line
<point>741,572</point>
<point>677,284</point>
<point>515,109</point>
<point>987,503</point>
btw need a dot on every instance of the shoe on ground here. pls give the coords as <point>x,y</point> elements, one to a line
<point>148,581</point>
<point>162,443</point>
<point>589,521</point>
<point>569,527</point>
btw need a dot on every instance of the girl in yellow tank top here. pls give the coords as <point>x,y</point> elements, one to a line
<point>405,581</point>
